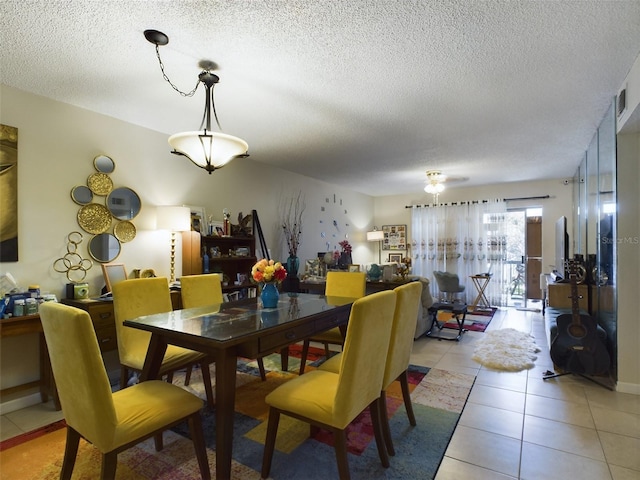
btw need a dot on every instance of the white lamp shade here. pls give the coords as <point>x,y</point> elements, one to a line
<point>375,236</point>
<point>434,188</point>
<point>173,218</point>
<point>218,148</point>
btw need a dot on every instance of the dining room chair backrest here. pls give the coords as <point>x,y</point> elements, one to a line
<point>346,284</point>
<point>79,371</point>
<point>111,422</point>
<point>364,355</point>
<point>134,298</point>
<point>201,290</point>
<point>404,326</point>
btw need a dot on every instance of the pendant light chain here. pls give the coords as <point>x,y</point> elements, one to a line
<point>164,75</point>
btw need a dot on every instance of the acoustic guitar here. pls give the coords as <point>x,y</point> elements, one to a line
<point>577,348</point>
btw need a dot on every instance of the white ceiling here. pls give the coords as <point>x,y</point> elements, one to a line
<point>368,94</point>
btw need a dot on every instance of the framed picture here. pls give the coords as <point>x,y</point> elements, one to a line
<point>395,237</point>
<point>353,268</point>
<point>312,267</point>
<point>198,219</point>
<point>242,251</point>
<point>395,257</point>
<point>113,273</point>
<point>216,228</point>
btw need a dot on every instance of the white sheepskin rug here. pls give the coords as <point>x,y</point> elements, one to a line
<point>507,349</point>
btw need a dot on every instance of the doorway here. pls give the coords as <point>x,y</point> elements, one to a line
<point>523,264</point>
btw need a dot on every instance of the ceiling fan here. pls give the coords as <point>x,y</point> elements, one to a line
<point>436,180</point>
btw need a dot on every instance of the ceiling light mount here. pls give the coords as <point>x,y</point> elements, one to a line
<point>206,149</point>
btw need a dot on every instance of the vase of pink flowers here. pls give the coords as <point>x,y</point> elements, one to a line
<point>268,273</point>
<point>345,255</point>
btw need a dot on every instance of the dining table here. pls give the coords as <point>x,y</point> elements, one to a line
<point>239,329</point>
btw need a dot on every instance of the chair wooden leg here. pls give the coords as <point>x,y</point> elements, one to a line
<point>263,372</point>
<point>327,352</point>
<point>384,418</point>
<point>406,395</point>
<point>375,408</point>
<point>206,380</point>
<point>170,377</point>
<point>303,358</point>
<point>157,440</point>
<point>70,453</point>
<point>187,375</point>
<point>340,445</point>
<point>197,436</point>
<point>109,464</point>
<point>270,441</point>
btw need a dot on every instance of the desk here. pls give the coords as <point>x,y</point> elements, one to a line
<point>13,326</point>
<point>232,330</point>
<point>481,282</point>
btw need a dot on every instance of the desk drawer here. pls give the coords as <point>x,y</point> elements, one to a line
<point>102,316</point>
<point>107,338</point>
<point>330,322</point>
<point>285,337</point>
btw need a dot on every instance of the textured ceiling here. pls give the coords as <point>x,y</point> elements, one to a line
<point>366,94</point>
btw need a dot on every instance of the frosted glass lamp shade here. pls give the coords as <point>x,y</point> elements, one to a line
<point>434,188</point>
<point>174,218</point>
<point>208,150</point>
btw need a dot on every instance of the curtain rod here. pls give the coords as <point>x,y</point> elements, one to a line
<point>541,197</point>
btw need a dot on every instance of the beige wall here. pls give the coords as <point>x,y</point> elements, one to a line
<point>628,274</point>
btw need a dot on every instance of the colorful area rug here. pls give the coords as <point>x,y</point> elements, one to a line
<point>476,321</point>
<point>507,349</point>
<point>438,399</point>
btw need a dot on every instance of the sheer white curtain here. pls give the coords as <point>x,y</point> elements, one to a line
<point>466,239</point>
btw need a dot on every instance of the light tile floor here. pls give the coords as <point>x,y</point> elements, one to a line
<point>514,425</point>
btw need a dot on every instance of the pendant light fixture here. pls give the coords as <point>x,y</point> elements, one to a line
<point>206,149</point>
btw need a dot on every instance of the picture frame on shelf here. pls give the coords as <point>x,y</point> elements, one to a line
<point>216,228</point>
<point>198,219</point>
<point>312,267</point>
<point>352,267</point>
<point>242,251</point>
<point>113,273</point>
<point>395,237</point>
<point>395,258</point>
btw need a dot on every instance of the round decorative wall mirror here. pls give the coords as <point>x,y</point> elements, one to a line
<point>123,203</point>
<point>82,195</point>
<point>104,248</point>
<point>104,164</point>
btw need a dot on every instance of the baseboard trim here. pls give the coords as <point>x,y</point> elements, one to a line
<point>624,387</point>
<point>20,403</point>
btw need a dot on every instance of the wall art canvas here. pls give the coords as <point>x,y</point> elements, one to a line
<point>8,194</point>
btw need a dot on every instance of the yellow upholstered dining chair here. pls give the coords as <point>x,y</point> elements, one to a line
<point>201,290</point>
<point>331,400</point>
<point>147,296</point>
<point>339,284</point>
<point>401,342</point>
<point>112,422</point>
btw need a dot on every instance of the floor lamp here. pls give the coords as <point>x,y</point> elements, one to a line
<point>174,219</point>
<point>376,236</point>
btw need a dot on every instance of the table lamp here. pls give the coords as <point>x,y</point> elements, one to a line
<point>175,219</point>
<point>376,236</point>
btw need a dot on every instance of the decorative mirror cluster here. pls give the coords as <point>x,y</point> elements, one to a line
<point>121,205</point>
